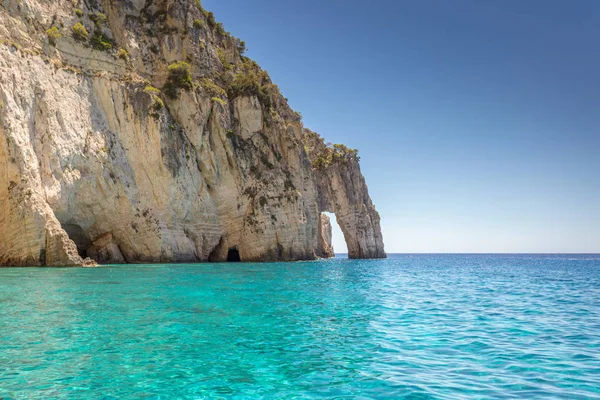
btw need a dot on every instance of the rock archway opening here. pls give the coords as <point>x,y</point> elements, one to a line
<point>339,248</point>
<point>233,255</point>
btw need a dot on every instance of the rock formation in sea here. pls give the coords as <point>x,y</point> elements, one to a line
<point>137,131</point>
<point>325,247</point>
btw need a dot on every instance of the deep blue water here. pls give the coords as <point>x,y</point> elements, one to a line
<point>411,326</point>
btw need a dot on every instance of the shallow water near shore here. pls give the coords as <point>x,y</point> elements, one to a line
<point>413,326</point>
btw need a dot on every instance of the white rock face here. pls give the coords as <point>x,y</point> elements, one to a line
<point>325,249</point>
<point>343,191</point>
<point>248,111</point>
<point>90,168</point>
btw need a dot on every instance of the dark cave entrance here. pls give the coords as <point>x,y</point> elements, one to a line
<point>233,255</point>
<point>78,235</point>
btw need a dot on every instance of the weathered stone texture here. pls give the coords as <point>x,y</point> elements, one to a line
<point>89,167</point>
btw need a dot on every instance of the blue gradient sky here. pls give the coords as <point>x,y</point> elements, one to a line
<point>478,122</point>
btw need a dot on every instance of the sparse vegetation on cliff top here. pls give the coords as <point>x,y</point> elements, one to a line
<point>250,80</point>
<point>198,24</point>
<point>322,154</point>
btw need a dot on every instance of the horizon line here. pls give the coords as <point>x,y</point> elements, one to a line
<point>492,253</point>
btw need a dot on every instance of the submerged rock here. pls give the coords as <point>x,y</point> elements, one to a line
<point>96,160</point>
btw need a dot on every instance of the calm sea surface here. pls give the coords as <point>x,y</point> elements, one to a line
<point>411,326</point>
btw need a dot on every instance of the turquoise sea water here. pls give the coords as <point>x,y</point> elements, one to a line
<point>415,327</point>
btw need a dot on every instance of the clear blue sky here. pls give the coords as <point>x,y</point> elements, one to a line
<point>477,122</point>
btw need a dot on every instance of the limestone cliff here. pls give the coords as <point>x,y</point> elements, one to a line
<point>341,189</point>
<point>138,132</point>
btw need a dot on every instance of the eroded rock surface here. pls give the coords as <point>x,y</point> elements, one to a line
<point>343,191</point>
<point>96,160</point>
<point>325,249</point>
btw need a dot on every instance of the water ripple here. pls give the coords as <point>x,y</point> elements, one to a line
<point>412,326</point>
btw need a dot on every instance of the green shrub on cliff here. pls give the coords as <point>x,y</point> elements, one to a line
<point>53,35</point>
<point>212,22</point>
<point>180,74</point>
<point>98,18</point>
<point>123,54</point>
<point>211,88</point>
<point>100,42</point>
<point>322,154</point>
<point>158,103</point>
<point>344,153</point>
<point>241,46</point>
<point>221,29</point>
<point>79,32</point>
<point>151,90</point>
<point>210,18</point>
<point>219,100</point>
<point>79,12</point>
<point>224,59</point>
<point>245,84</point>
<point>253,83</point>
<point>198,24</point>
<point>179,77</point>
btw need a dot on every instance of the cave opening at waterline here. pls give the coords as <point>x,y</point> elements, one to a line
<point>79,237</point>
<point>233,255</point>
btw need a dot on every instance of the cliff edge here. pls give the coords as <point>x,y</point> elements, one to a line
<point>139,132</point>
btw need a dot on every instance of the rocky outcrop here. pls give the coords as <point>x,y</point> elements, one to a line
<point>95,161</point>
<point>343,191</point>
<point>30,233</point>
<point>325,248</point>
<point>106,251</point>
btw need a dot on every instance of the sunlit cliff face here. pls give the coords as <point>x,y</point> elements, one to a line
<point>148,137</point>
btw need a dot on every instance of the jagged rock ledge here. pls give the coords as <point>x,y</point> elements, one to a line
<point>149,137</point>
